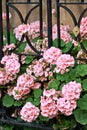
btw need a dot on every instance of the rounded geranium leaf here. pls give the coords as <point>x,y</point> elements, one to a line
<point>81,116</point>
<point>8,101</point>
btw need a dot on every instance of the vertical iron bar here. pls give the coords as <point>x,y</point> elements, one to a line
<point>41,18</point>
<point>82,0</point>
<point>1,31</point>
<point>8,22</point>
<point>49,21</point>
<point>58,23</point>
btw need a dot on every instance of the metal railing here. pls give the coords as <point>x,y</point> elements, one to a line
<point>59,4</point>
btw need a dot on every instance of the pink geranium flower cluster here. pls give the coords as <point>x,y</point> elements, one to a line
<point>83,27</point>
<point>62,61</point>
<point>11,68</point>
<point>25,83</point>
<point>51,55</point>
<point>20,30</point>
<point>48,103</point>
<point>29,112</point>
<point>40,69</point>
<point>8,47</point>
<point>64,33</point>
<point>11,63</point>
<point>65,101</point>
<point>70,94</point>
<point>4,15</point>
<point>32,30</point>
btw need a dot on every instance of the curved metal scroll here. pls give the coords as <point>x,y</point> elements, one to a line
<point>22,21</point>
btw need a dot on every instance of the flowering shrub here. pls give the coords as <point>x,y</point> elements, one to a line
<point>52,86</point>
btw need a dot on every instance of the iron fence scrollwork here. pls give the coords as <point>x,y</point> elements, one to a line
<point>59,4</point>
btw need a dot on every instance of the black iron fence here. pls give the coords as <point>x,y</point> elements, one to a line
<point>59,4</point>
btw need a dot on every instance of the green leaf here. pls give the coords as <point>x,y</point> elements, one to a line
<point>54,84</point>
<point>67,47</point>
<point>66,124</point>
<point>46,119</point>
<point>8,101</point>
<point>8,127</point>
<point>23,69</point>
<point>82,102</point>
<point>36,39</point>
<point>27,128</point>
<point>18,103</point>
<point>55,43</point>
<point>81,116</point>
<point>63,77</point>
<point>21,47</point>
<point>30,99</point>
<point>36,101</point>
<point>85,85</point>
<point>29,59</point>
<point>37,93</point>
<point>84,42</point>
<point>84,127</point>
<point>81,70</point>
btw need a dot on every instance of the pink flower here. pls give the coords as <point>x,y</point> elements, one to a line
<point>29,112</point>
<point>4,16</point>
<point>72,90</point>
<point>48,103</point>
<point>66,106</point>
<point>8,47</point>
<point>51,55</point>
<point>12,65</point>
<point>48,107</point>
<point>75,43</point>
<point>20,30</point>
<point>38,69</point>
<point>49,93</point>
<point>36,85</point>
<point>53,11</point>
<point>3,78</point>
<point>64,33</point>
<point>34,30</point>
<point>25,81</point>
<point>83,27</point>
<point>19,92</point>
<point>63,62</point>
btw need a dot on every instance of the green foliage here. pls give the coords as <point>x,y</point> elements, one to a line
<point>85,85</point>
<point>64,124</point>
<point>81,116</point>
<point>65,47</point>
<point>82,102</point>
<point>34,97</point>
<point>21,47</point>
<point>29,59</point>
<point>43,119</point>
<point>18,103</point>
<point>81,70</point>
<point>7,101</point>
<point>84,42</point>
<point>37,92</point>
<point>8,127</point>
<point>54,84</point>
<point>12,38</point>
<point>27,128</point>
